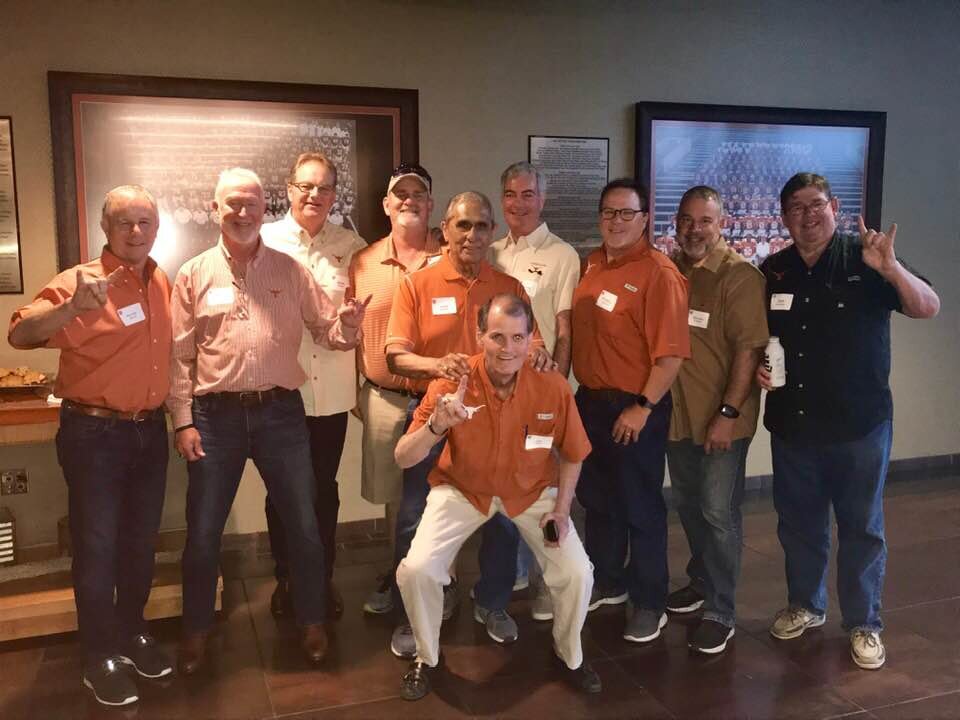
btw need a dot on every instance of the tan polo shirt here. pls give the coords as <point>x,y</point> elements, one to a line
<point>727,313</point>
<point>547,267</point>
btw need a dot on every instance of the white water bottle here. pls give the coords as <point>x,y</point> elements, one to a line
<point>775,363</point>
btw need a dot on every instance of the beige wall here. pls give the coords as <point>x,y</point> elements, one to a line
<point>491,73</point>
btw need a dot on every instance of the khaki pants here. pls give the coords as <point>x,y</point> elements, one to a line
<point>448,521</point>
<point>384,414</point>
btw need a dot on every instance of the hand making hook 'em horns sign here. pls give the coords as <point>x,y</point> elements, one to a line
<point>878,252</point>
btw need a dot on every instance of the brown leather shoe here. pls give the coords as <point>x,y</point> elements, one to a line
<point>334,602</point>
<point>191,653</point>
<point>314,642</point>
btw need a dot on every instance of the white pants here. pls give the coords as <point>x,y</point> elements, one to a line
<point>448,521</point>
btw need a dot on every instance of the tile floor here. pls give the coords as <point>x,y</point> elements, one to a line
<point>257,671</point>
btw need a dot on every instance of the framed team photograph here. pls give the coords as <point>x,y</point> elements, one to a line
<point>175,135</point>
<point>748,154</point>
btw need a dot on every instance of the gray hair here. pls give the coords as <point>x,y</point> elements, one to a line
<point>112,195</point>
<point>236,173</point>
<point>524,168</point>
<point>704,192</point>
<point>468,196</point>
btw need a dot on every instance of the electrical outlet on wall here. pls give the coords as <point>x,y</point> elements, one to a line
<point>13,482</point>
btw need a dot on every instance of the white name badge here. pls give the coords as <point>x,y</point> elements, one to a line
<point>444,306</point>
<point>631,288</point>
<point>781,301</point>
<point>531,287</point>
<point>131,314</point>
<point>220,296</point>
<point>335,280</point>
<point>538,442</point>
<point>607,301</point>
<point>698,318</point>
<point>544,416</point>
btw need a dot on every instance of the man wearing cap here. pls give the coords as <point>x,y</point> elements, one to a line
<point>431,333</point>
<point>376,271</point>
<point>110,318</point>
<point>715,409</point>
<point>548,268</point>
<point>630,337</point>
<point>515,447</point>
<point>325,249</point>
<point>829,299</point>
<point>238,315</point>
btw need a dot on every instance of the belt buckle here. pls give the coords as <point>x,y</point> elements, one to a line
<point>250,397</point>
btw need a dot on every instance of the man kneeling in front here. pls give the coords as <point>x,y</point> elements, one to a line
<point>514,444</point>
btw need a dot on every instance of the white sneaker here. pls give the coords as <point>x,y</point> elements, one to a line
<point>541,607</point>
<point>792,621</point>
<point>867,650</point>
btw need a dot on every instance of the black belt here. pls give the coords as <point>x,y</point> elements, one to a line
<point>609,394</point>
<point>249,398</point>
<point>402,393</point>
<point>102,412</point>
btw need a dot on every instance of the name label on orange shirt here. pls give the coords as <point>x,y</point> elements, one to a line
<point>219,296</point>
<point>444,306</point>
<point>781,301</point>
<point>131,314</point>
<point>607,300</point>
<point>631,288</point>
<point>698,318</point>
<point>538,442</point>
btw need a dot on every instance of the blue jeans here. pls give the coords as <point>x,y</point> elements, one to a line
<point>807,480</point>
<point>498,543</point>
<point>116,473</point>
<point>274,435</point>
<point>707,491</point>
<point>621,489</point>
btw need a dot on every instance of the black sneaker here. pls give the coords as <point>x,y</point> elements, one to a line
<point>416,683</point>
<point>111,683</point>
<point>711,637</point>
<point>583,678</point>
<point>146,658</point>
<point>600,597</point>
<point>684,600</point>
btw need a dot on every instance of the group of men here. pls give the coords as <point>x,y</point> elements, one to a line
<point>460,377</point>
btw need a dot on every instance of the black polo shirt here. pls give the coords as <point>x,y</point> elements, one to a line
<point>836,338</point>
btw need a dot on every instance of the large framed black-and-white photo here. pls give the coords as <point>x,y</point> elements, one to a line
<point>747,154</point>
<point>175,135</point>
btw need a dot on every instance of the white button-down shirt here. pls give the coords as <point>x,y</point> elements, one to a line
<point>331,385</point>
<point>547,267</point>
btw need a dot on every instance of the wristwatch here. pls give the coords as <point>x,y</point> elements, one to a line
<point>643,402</point>
<point>729,411</point>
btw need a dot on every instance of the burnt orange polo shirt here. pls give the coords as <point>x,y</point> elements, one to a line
<point>118,356</point>
<point>626,314</point>
<point>435,310</point>
<point>506,449</point>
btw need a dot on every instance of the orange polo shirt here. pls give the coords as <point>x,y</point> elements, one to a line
<point>118,356</point>
<point>435,310</point>
<point>506,449</point>
<point>375,270</point>
<point>626,314</point>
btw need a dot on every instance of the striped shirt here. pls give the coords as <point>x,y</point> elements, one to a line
<point>236,331</point>
<point>377,271</point>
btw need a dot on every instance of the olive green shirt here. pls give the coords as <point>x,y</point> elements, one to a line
<point>727,314</point>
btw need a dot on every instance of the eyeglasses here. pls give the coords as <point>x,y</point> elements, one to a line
<point>626,214</point>
<point>307,188</point>
<point>413,169</point>
<point>798,210</point>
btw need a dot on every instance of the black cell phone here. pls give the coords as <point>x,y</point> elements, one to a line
<point>550,532</point>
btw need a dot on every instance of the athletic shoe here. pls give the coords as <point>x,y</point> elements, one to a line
<point>792,621</point>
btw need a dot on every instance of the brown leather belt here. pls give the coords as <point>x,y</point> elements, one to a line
<point>248,398</point>
<point>102,412</point>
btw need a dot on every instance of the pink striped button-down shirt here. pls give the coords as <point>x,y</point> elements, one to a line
<point>236,331</point>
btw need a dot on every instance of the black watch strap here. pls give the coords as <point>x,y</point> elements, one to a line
<point>729,411</point>
<point>643,402</point>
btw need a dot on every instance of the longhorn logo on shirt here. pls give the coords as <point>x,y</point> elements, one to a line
<point>778,275</point>
<point>275,293</point>
<point>338,258</point>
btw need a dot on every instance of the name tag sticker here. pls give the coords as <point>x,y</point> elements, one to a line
<point>631,288</point>
<point>538,442</point>
<point>131,314</point>
<point>444,306</point>
<point>335,280</point>
<point>607,300</point>
<point>698,318</point>
<point>220,296</point>
<point>531,287</point>
<point>781,301</point>
<point>544,416</point>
